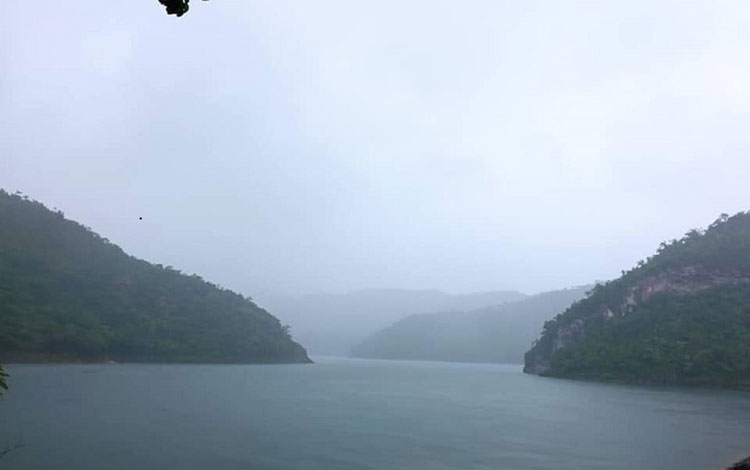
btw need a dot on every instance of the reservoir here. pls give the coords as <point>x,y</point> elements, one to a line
<point>359,414</point>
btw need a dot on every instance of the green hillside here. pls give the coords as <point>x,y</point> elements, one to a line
<point>67,294</point>
<point>499,333</point>
<point>680,317</point>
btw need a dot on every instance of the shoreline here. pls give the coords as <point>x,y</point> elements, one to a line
<point>62,359</point>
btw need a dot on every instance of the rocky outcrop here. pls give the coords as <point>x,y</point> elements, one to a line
<point>679,281</point>
<point>681,316</point>
<point>685,280</point>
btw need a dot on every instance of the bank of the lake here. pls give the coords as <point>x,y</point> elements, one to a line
<point>360,414</point>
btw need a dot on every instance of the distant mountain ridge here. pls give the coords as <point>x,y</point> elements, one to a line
<point>680,317</point>
<point>334,323</point>
<point>500,333</point>
<point>67,294</point>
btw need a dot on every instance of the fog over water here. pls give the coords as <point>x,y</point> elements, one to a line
<point>298,147</point>
<point>437,189</point>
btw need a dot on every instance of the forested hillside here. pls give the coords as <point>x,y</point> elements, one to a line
<point>500,333</point>
<point>681,316</point>
<point>67,294</point>
<point>334,323</point>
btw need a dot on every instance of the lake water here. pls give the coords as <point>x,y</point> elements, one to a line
<point>359,414</point>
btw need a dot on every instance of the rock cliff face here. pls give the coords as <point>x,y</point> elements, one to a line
<point>670,319</point>
<point>688,280</point>
<point>679,281</point>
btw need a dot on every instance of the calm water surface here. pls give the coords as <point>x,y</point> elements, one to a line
<point>358,414</point>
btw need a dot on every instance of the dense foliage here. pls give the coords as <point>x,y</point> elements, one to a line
<point>492,334</point>
<point>68,294</point>
<point>698,338</point>
<point>176,7</point>
<point>694,337</point>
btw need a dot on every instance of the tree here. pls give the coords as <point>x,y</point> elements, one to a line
<point>176,7</point>
<point>70,294</point>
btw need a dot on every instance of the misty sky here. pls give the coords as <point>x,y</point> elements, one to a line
<point>302,146</point>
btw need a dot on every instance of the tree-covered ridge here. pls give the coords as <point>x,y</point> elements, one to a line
<point>68,294</point>
<point>681,316</point>
<point>499,333</point>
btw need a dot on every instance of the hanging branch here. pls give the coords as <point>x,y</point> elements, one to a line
<point>176,7</point>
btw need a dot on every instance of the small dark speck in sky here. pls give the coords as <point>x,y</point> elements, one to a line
<point>140,218</point>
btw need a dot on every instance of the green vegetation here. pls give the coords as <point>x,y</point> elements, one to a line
<point>67,294</point>
<point>492,334</point>
<point>693,328</point>
<point>698,338</point>
<point>176,7</point>
<point>332,324</point>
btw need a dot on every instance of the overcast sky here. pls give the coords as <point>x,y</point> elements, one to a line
<point>305,146</point>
